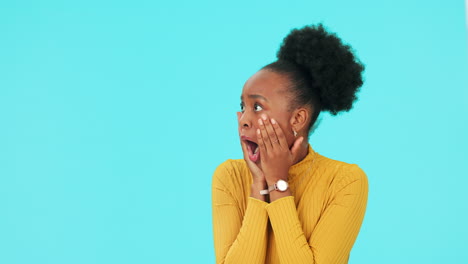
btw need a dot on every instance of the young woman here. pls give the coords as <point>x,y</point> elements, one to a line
<point>284,202</point>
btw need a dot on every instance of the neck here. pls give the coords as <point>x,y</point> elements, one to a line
<point>302,152</point>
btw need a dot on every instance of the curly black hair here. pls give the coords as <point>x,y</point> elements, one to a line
<point>324,73</point>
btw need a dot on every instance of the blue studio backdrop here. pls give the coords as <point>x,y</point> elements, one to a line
<point>114,115</point>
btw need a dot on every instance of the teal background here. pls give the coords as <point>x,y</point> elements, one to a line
<point>114,115</point>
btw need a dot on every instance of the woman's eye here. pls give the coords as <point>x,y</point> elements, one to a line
<point>257,107</point>
<point>242,107</point>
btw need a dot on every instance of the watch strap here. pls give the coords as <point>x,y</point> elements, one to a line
<point>269,190</point>
<point>272,187</point>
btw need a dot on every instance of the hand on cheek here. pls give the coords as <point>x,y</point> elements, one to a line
<point>276,156</point>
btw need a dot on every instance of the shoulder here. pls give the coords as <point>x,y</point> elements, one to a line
<point>342,173</point>
<point>230,166</point>
<point>345,184</point>
<point>231,171</point>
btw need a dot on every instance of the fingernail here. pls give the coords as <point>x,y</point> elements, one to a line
<point>260,122</point>
<point>264,117</point>
<point>273,121</point>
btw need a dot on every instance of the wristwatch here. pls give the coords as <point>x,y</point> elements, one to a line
<point>280,185</point>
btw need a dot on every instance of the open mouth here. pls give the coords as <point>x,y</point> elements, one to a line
<point>253,149</point>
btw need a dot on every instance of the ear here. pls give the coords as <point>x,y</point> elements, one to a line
<point>299,119</point>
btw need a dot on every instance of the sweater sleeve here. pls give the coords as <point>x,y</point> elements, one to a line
<point>336,231</point>
<point>238,237</point>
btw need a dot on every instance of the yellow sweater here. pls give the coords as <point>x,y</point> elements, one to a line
<point>318,224</point>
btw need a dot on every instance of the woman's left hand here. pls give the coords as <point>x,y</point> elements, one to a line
<point>275,155</point>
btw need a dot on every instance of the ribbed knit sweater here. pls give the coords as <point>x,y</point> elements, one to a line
<point>318,224</point>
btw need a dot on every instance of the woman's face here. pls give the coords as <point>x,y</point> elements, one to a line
<point>265,93</point>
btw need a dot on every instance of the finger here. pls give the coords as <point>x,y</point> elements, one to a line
<point>261,144</point>
<point>296,146</point>
<point>283,143</point>
<point>264,135</point>
<point>271,132</point>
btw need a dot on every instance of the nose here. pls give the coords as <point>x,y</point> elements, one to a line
<point>245,120</point>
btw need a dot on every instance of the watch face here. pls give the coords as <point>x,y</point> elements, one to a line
<point>282,185</point>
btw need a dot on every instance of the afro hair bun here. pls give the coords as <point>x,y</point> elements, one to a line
<point>333,68</point>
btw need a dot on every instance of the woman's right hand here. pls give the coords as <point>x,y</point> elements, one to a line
<point>258,177</point>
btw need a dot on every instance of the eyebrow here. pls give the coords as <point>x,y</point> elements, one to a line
<point>255,96</point>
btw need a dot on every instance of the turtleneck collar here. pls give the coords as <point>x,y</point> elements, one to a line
<point>302,166</point>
